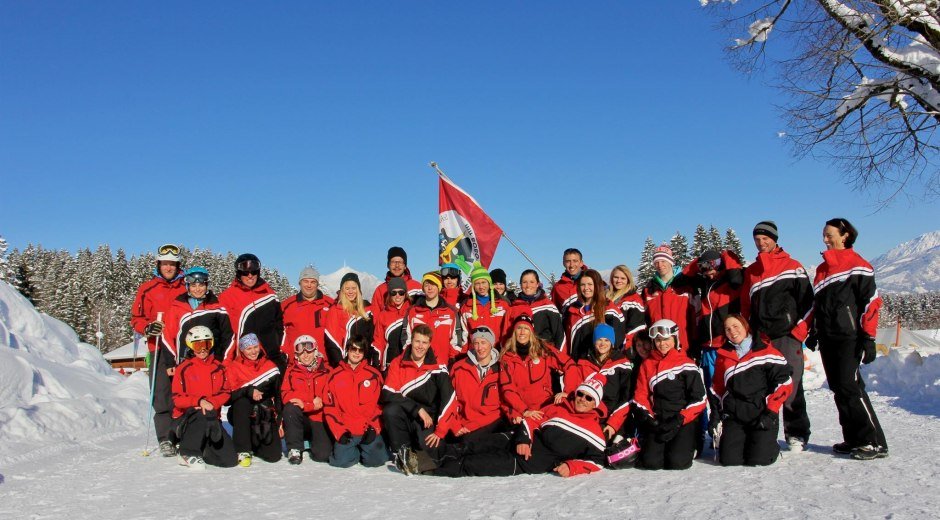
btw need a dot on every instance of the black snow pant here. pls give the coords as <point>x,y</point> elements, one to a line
<point>250,436</point>
<point>162,395</point>
<point>795,419</point>
<point>202,435</point>
<point>298,427</point>
<point>403,430</point>
<point>677,453</point>
<point>860,425</point>
<point>491,455</point>
<point>741,444</point>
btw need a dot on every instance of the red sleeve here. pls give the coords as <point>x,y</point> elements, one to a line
<point>512,399</point>
<point>582,467</point>
<point>139,319</point>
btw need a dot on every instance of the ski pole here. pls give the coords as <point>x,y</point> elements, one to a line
<point>153,384</point>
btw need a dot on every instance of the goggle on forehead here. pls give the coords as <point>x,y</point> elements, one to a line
<point>169,249</point>
<point>196,278</point>
<point>662,331</point>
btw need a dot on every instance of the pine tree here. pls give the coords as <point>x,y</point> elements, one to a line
<point>699,241</point>
<point>6,270</point>
<point>714,239</point>
<point>734,245</point>
<point>680,249</point>
<point>644,272</point>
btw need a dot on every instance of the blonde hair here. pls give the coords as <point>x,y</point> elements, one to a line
<point>613,294</point>
<point>353,307</point>
<point>536,349</point>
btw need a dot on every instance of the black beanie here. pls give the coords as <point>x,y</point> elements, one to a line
<point>498,276</point>
<point>350,276</point>
<point>709,255</point>
<point>396,251</point>
<point>766,228</point>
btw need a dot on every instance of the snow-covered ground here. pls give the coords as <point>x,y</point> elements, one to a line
<point>60,458</point>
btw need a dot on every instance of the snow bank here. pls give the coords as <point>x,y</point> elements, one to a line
<point>913,376</point>
<point>56,391</point>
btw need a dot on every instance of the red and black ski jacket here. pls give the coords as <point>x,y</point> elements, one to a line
<point>579,327</point>
<point>565,290</point>
<point>427,386</point>
<point>486,317</point>
<point>477,390</point>
<point>545,318</point>
<point>153,296</point>
<point>352,399</point>
<point>669,385</point>
<point>777,297</point>
<point>340,326</point>
<point>717,298</point>
<point>618,389</point>
<point>743,388</point>
<point>573,437</point>
<point>634,316</point>
<point>411,285</point>
<point>197,379</point>
<point>306,385</point>
<point>388,340</point>
<point>302,316</point>
<point>846,300</point>
<point>244,376</point>
<point>181,317</point>
<point>255,309</point>
<point>454,296</point>
<point>526,383</point>
<point>449,334</point>
<point>670,303</point>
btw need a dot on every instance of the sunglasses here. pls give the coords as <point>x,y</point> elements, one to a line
<point>450,272</point>
<point>201,345</point>
<point>254,272</point>
<point>169,249</point>
<point>587,397</point>
<point>664,332</point>
<point>708,265</point>
<point>397,292</point>
<point>304,347</point>
<point>248,265</point>
<point>354,348</point>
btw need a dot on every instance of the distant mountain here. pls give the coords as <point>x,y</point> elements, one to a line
<point>329,283</point>
<point>912,267</point>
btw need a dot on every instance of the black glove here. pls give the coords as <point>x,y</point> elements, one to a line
<point>812,342</point>
<point>669,428</point>
<point>154,328</point>
<point>648,422</point>
<point>345,438</point>
<point>369,436</point>
<point>865,349</point>
<point>768,421</point>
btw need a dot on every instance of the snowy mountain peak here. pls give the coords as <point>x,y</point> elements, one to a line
<point>913,266</point>
<point>329,283</point>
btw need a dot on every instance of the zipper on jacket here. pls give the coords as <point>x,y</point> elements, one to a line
<point>848,312</point>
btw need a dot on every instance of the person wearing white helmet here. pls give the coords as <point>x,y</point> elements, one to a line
<point>302,393</point>
<point>669,398</point>
<point>199,392</point>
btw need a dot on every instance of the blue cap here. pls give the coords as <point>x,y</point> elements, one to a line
<point>248,340</point>
<point>604,330</point>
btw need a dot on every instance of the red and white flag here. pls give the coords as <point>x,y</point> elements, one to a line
<point>467,233</point>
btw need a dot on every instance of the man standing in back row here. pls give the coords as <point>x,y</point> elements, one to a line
<point>776,298</point>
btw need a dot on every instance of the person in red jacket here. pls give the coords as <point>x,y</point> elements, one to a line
<point>388,340</point>
<point>152,301</point>
<point>528,366</point>
<point>350,315</point>
<point>845,321</point>
<point>452,292</point>
<point>351,409</point>
<point>590,308</point>
<point>302,395</point>
<point>664,301</point>
<point>532,301</point>
<point>565,290</point>
<point>446,322</point>
<point>253,307</point>
<point>397,268</point>
<point>199,392</point>
<point>475,379</point>
<point>669,397</point>
<point>752,380</point>
<point>622,292</point>
<point>418,401</point>
<point>776,300</point>
<point>254,382</point>
<point>566,440</point>
<point>305,312</point>
<point>484,309</point>
<point>199,306</point>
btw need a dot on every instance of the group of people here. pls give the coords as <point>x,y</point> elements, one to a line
<point>593,374</point>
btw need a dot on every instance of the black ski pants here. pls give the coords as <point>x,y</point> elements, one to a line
<point>298,427</point>
<point>860,425</point>
<point>743,445</point>
<point>403,430</point>
<point>202,435</point>
<point>239,416</point>
<point>677,453</point>
<point>162,385</point>
<point>795,419</point>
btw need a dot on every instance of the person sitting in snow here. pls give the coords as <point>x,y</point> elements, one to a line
<point>254,381</point>
<point>199,392</point>
<point>302,394</point>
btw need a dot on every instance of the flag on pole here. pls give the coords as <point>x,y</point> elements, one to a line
<point>467,233</point>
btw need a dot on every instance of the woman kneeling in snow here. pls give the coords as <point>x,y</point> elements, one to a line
<point>255,383</point>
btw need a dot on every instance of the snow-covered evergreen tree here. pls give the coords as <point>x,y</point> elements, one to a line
<point>714,239</point>
<point>6,270</point>
<point>680,249</point>
<point>732,243</point>
<point>644,271</point>
<point>699,241</point>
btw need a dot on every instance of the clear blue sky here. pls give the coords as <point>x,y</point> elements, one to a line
<point>301,131</point>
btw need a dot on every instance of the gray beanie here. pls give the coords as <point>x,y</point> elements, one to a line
<point>485,333</point>
<point>767,228</point>
<point>309,272</point>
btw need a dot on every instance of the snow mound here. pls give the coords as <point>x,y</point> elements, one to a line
<point>911,375</point>
<point>56,391</point>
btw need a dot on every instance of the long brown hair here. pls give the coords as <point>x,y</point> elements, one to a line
<point>599,301</point>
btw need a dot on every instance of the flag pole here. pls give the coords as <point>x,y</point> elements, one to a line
<point>539,269</point>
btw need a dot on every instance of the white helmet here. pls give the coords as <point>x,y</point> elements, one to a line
<point>198,333</point>
<point>169,253</point>
<point>665,329</point>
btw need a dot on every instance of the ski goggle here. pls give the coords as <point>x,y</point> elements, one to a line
<point>197,278</point>
<point>584,395</point>
<point>707,265</point>
<point>450,272</point>
<point>248,266</point>
<point>306,346</point>
<point>664,332</point>
<point>201,345</point>
<point>169,249</point>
